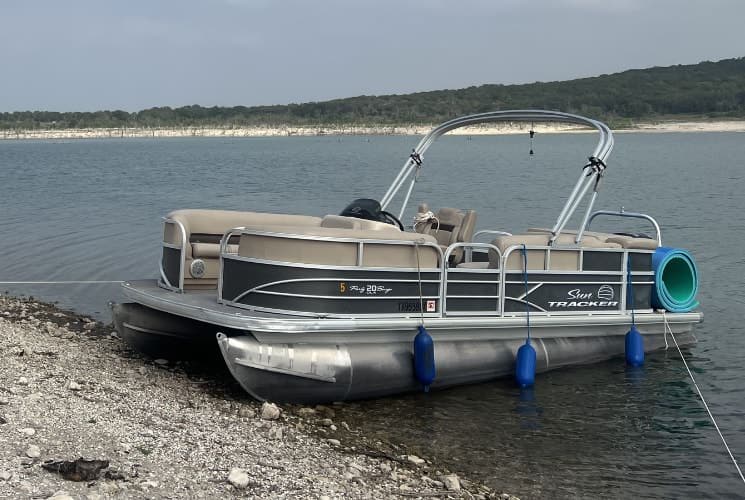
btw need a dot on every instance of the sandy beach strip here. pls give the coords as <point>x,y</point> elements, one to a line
<point>69,388</point>
<point>306,131</point>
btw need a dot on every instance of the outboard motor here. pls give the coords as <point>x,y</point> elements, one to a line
<point>369,209</point>
<point>363,208</point>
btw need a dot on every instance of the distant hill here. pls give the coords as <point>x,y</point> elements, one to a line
<point>697,91</point>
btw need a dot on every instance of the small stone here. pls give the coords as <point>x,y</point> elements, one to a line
<point>238,478</point>
<point>5,475</point>
<point>332,427</point>
<point>306,412</point>
<point>3,420</point>
<point>28,431</point>
<point>142,370</point>
<point>326,422</point>
<point>329,412</point>
<point>333,442</point>
<point>149,484</point>
<point>74,386</point>
<point>275,432</point>
<point>269,411</point>
<point>246,412</point>
<point>33,451</point>
<point>89,326</point>
<point>346,427</point>
<point>60,495</point>
<point>22,381</point>
<point>324,497</point>
<point>451,482</point>
<point>4,401</point>
<point>161,361</point>
<point>415,460</point>
<point>114,335</point>
<point>385,468</point>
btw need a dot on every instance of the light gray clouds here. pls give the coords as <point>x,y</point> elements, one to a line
<point>98,54</point>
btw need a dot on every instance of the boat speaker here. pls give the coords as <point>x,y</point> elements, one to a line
<point>197,268</point>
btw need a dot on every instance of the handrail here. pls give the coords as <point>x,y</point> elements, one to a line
<point>603,149</point>
<point>634,215</point>
<point>182,264</point>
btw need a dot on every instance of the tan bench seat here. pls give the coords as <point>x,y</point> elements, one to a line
<point>321,246</point>
<point>564,253</point>
<point>204,229</point>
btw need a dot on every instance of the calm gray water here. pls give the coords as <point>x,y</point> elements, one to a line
<point>90,210</point>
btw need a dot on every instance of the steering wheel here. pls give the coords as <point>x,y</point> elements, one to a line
<point>391,219</point>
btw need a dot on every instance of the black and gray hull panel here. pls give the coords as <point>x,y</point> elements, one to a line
<point>314,373</point>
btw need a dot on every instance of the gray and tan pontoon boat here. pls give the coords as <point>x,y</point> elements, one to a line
<point>313,309</point>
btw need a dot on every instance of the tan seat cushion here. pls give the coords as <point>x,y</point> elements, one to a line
<point>285,244</point>
<point>636,243</point>
<point>210,250</point>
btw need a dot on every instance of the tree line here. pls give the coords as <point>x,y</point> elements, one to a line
<point>703,90</point>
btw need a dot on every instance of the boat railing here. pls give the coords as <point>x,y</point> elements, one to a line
<point>624,213</point>
<point>364,248</point>
<point>584,275</point>
<point>469,275</point>
<point>165,282</point>
<point>492,287</point>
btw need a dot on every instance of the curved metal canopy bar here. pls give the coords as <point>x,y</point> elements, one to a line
<point>597,158</point>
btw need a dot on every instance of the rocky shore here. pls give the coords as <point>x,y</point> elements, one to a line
<point>82,416</point>
<point>289,131</point>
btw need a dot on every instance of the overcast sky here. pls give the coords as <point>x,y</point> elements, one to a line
<point>132,54</point>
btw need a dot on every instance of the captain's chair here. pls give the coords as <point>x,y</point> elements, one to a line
<point>448,226</point>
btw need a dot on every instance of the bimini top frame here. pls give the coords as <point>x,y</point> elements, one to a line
<point>590,176</point>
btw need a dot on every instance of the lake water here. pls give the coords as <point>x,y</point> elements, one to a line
<point>90,210</point>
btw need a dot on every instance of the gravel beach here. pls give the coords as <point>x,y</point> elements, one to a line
<point>71,389</point>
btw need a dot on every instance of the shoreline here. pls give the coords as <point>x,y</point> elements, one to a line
<point>70,388</point>
<point>350,130</point>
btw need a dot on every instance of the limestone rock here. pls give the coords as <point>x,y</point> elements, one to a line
<point>269,411</point>
<point>415,460</point>
<point>451,482</point>
<point>246,412</point>
<point>33,451</point>
<point>306,412</point>
<point>238,478</point>
<point>275,432</point>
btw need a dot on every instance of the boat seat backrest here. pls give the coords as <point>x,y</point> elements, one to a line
<point>623,241</point>
<point>321,246</point>
<point>204,230</point>
<point>343,222</point>
<point>451,226</point>
<point>564,253</point>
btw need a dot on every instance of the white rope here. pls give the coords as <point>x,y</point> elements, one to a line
<point>667,328</point>
<point>426,218</point>
<point>57,282</point>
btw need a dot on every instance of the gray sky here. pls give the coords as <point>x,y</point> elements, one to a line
<point>84,55</point>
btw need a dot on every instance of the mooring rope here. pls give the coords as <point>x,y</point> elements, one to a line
<point>700,395</point>
<point>74,282</point>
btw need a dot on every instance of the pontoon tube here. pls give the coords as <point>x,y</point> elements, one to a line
<point>675,280</point>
